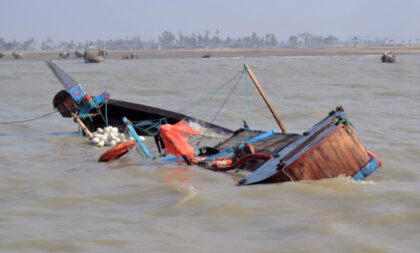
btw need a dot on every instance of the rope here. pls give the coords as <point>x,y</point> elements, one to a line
<point>27,120</point>
<point>347,123</point>
<point>227,98</point>
<point>191,105</point>
<point>86,116</point>
<point>152,125</point>
<point>98,109</point>
<point>239,77</point>
<point>209,96</point>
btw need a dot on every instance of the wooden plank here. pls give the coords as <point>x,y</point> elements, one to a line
<point>339,153</point>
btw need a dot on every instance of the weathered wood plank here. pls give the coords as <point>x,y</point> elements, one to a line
<point>339,153</point>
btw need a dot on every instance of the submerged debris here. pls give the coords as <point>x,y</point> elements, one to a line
<point>388,57</point>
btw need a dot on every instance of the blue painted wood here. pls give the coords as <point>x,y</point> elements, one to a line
<point>77,93</point>
<point>170,158</point>
<point>368,169</point>
<point>140,143</point>
<point>230,151</point>
<point>65,80</point>
<point>261,137</point>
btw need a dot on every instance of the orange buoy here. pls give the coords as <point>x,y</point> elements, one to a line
<point>117,151</point>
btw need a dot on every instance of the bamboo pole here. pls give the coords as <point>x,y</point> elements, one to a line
<point>82,126</point>
<point>267,102</point>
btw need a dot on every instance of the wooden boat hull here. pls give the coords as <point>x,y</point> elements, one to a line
<point>111,112</point>
<point>147,118</point>
<point>330,149</point>
<point>338,153</point>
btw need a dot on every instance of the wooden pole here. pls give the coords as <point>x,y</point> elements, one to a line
<point>82,126</point>
<point>267,102</point>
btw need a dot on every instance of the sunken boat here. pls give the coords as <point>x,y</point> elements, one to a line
<point>329,149</point>
<point>101,111</point>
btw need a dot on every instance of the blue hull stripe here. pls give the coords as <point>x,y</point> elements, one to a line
<point>368,169</point>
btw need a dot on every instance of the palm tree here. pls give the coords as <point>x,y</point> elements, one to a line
<point>355,40</point>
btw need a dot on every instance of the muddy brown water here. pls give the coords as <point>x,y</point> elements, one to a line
<point>55,197</point>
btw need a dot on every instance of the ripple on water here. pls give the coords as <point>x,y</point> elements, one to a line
<point>56,197</point>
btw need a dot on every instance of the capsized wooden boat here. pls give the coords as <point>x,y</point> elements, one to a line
<point>329,149</point>
<point>100,111</point>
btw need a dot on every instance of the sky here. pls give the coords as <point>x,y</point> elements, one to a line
<point>82,20</point>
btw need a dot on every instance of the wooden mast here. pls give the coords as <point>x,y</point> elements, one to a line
<point>267,102</point>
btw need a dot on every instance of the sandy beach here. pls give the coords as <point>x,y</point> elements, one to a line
<point>230,52</point>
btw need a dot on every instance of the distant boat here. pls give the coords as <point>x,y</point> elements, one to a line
<point>102,52</point>
<point>93,58</point>
<point>79,54</point>
<point>17,55</point>
<point>64,55</point>
<point>129,56</point>
<point>388,57</point>
<point>206,56</point>
<point>1,55</point>
<point>92,55</point>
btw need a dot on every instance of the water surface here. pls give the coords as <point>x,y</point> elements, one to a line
<point>55,197</point>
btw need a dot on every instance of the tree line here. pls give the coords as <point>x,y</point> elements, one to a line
<point>169,40</point>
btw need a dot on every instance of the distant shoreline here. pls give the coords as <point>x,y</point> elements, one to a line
<point>233,52</point>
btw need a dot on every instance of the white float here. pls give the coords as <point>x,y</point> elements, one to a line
<point>109,136</point>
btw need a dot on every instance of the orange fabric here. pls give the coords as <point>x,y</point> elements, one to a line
<point>176,139</point>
